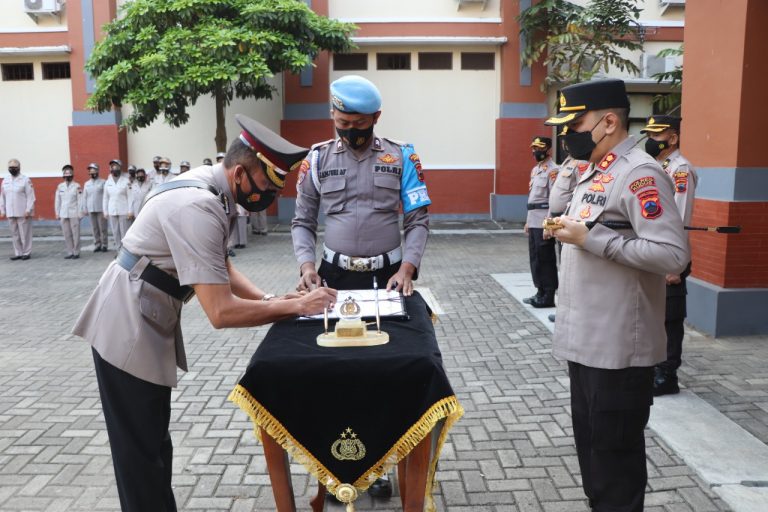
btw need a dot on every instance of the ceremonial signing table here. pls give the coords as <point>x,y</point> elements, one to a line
<point>350,414</point>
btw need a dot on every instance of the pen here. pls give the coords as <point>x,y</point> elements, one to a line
<point>376,295</point>
<point>325,312</point>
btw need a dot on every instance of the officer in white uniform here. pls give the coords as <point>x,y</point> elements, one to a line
<point>610,311</point>
<point>68,207</point>
<point>17,202</point>
<point>93,206</point>
<point>163,172</point>
<point>161,265</point>
<point>115,202</point>
<point>663,144</point>
<point>139,190</point>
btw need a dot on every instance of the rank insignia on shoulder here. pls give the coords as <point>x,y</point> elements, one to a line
<point>585,212</point>
<point>665,164</point>
<point>606,162</point>
<point>650,204</point>
<point>388,159</point>
<point>583,168</point>
<point>376,143</point>
<point>645,181</point>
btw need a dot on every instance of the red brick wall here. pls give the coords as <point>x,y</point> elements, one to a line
<point>731,261</point>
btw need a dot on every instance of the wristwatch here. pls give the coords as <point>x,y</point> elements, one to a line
<point>268,296</point>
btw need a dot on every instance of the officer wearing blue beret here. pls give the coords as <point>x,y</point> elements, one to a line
<point>360,182</point>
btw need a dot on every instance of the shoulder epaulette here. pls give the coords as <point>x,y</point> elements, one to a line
<point>398,142</point>
<point>321,144</point>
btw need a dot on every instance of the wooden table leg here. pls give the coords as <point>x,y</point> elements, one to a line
<point>318,501</point>
<point>279,474</point>
<point>416,470</point>
<point>402,475</point>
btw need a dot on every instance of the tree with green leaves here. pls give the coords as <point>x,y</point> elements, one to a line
<point>160,56</point>
<point>576,42</point>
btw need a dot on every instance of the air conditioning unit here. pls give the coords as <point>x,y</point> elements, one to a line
<point>35,8</point>
<point>651,64</point>
<point>666,4</point>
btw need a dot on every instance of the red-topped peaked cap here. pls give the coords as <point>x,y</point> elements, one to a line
<point>279,156</point>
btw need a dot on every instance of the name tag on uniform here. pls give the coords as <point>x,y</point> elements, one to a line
<point>325,173</point>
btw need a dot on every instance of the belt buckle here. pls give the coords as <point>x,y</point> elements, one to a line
<point>359,264</point>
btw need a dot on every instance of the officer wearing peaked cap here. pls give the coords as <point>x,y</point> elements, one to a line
<point>184,166</point>
<point>611,303</point>
<point>68,207</point>
<point>116,201</point>
<point>164,263</point>
<point>359,181</point>
<point>541,251</point>
<point>663,144</point>
<point>93,206</point>
<point>163,172</point>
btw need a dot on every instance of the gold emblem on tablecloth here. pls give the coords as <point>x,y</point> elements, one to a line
<point>348,446</point>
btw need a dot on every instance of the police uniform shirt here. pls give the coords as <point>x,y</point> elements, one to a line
<point>17,196</point>
<point>159,178</point>
<point>682,173</point>
<point>138,192</point>
<point>361,198</point>
<point>93,195</point>
<point>611,301</point>
<point>183,232</point>
<point>116,195</point>
<point>543,176</point>
<point>67,200</point>
<point>562,189</point>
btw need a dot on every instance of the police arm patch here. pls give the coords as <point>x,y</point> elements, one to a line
<point>644,182</point>
<point>650,204</point>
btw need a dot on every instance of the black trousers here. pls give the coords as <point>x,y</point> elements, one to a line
<point>137,414</point>
<point>543,260</point>
<point>674,325</point>
<point>610,409</point>
<point>341,279</point>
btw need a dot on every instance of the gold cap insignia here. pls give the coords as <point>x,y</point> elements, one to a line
<point>651,121</point>
<point>562,100</point>
<point>348,446</point>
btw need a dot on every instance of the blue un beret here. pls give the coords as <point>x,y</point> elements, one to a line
<point>354,94</point>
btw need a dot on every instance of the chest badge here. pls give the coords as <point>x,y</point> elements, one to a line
<point>388,159</point>
<point>599,182</point>
<point>585,212</point>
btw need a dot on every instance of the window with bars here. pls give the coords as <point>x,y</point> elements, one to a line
<point>56,70</point>
<point>14,72</point>
<point>478,61</point>
<point>386,61</point>
<point>435,60</point>
<point>350,62</point>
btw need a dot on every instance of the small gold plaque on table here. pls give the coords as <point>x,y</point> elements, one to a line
<point>350,330</point>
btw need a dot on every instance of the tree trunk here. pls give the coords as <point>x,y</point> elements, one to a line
<point>221,128</point>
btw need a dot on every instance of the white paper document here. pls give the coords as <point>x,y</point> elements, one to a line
<point>391,304</point>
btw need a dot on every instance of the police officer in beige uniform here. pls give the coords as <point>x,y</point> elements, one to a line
<point>162,264</point>
<point>93,206</point>
<point>116,201</point>
<point>611,303</point>
<point>17,202</point>
<point>567,177</point>
<point>541,251</point>
<point>68,208</point>
<point>663,144</point>
<point>139,190</point>
<point>359,181</point>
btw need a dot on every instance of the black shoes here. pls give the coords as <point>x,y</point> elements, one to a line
<point>546,300</point>
<point>665,382</point>
<point>69,257</point>
<point>529,300</point>
<point>551,318</point>
<point>381,489</point>
<point>25,257</point>
<point>239,246</point>
<point>14,258</point>
<point>231,252</point>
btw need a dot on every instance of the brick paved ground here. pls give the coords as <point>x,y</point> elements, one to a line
<point>512,451</point>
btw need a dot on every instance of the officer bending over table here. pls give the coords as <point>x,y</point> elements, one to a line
<point>610,311</point>
<point>177,248</point>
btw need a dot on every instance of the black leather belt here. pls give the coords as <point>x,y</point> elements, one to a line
<point>159,279</point>
<point>538,206</point>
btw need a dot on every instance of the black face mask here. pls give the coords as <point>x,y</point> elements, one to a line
<point>14,171</point>
<point>655,147</point>
<point>94,176</point>
<point>67,178</point>
<point>132,174</point>
<point>115,172</point>
<point>258,199</point>
<point>580,144</point>
<point>540,156</point>
<point>141,178</point>
<point>163,171</point>
<point>355,137</point>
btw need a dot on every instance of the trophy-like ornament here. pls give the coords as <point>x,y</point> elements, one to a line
<point>350,330</point>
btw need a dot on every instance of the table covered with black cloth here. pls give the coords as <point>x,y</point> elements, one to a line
<point>349,414</point>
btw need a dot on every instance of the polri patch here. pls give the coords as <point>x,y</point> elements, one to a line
<point>553,175</point>
<point>645,181</point>
<point>650,204</point>
<point>388,169</point>
<point>417,163</point>
<point>681,181</point>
